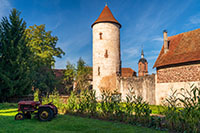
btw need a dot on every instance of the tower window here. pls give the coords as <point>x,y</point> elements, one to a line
<point>106,54</point>
<point>98,71</point>
<point>100,36</point>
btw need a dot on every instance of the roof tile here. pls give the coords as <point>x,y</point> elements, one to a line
<point>184,47</point>
<point>106,16</point>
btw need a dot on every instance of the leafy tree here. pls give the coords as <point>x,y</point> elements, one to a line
<point>78,77</point>
<point>15,58</point>
<point>69,76</point>
<point>43,45</point>
<point>83,75</point>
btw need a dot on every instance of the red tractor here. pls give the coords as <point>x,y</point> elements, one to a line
<point>43,112</point>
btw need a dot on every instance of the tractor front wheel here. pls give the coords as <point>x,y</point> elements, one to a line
<point>45,114</point>
<point>19,116</point>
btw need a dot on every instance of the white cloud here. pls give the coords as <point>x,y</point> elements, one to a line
<point>132,51</point>
<point>152,57</point>
<point>195,19</point>
<point>158,39</point>
<point>5,8</point>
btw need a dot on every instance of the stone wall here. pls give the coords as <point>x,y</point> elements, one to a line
<point>143,86</point>
<point>181,73</point>
<point>164,90</point>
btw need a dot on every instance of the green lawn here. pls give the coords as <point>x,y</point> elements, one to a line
<point>63,123</point>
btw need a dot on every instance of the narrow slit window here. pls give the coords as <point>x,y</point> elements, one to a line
<point>100,35</point>
<point>106,54</point>
<point>98,70</point>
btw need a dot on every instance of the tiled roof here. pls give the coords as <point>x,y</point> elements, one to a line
<point>59,72</point>
<point>128,72</point>
<point>184,47</point>
<point>106,16</point>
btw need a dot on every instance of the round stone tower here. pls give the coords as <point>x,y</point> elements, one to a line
<point>106,52</point>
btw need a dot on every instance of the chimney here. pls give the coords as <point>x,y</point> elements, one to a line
<point>166,48</point>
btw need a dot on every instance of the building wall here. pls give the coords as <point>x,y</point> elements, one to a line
<point>106,56</point>
<point>164,90</point>
<point>142,69</point>
<point>174,78</point>
<point>143,86</point>
<point>181,73</point>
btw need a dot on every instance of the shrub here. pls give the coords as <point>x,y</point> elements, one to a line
<point>36,95</point>
<point>85,102</point>
<point>56,100</point>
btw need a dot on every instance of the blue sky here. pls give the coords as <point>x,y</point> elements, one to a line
<point>143,22</point>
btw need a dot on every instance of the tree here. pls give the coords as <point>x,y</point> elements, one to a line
<point>83,75</point>
<point>43,45</point>
<point>15,60</point>
<point>79,77</point>
<point>69,77</point>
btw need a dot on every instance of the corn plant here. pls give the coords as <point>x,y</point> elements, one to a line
<point>71,102</point>
<point>190,115</point>
<point>142,110</point>
<point>110,104</point>
<point>183,112</point>
<point>171,113</point>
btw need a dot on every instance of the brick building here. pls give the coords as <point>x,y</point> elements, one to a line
<point>178,64</point>
<point>142,65</point>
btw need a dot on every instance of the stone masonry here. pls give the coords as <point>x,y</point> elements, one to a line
<point>106,56</point>
<point>183,73</point>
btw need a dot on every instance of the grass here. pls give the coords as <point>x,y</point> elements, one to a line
<point>62,123</point>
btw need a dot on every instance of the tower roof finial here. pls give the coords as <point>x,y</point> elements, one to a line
<point>142,53</point>
<point>106,3</point>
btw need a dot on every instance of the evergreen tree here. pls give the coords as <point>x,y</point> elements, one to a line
<point>15,58</point>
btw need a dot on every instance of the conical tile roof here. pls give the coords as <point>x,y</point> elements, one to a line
<point>106,16</point>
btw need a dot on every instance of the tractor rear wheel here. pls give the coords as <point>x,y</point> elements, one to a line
<point>45,114</point>
<point>19,116</point>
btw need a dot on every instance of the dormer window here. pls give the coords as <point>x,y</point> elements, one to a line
<point>100,35</point>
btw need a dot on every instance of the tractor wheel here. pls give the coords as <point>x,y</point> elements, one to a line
<point>45,114</point>
<point>19,116</point>
<point>27,115</point>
